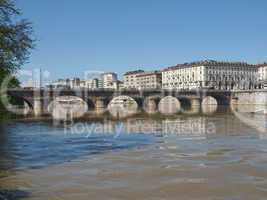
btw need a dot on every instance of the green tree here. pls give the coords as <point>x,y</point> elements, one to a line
<point>16,40</point>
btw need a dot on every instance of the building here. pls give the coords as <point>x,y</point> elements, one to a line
<point>90,84</point>
<point>210,74</point>
<point>117,85</point>
<point>149,80</point>
<point>130,80</point>
<point>140,80</point>
<point>83,84</point>
<point>94,84</point>
<point>74,83</point>
<point>262,72</point>
<point>108,79</point>
<point>67,83</point>
<point>60,83</point>
<point>100,84</point>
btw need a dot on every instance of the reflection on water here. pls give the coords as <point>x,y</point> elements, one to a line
<point>176,157</point>
<point>122,106</point>
<point>253,115</point>
<point>67,107</point>
<point>209,109</point>
<point>244,108</point>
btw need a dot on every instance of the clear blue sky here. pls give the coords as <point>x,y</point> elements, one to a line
<point>121,35</point>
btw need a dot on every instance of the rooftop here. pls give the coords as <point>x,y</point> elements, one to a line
<point>209,63</point>
<point>134,72</point>
<point>262,64</point>
<point>149,73</point>
<point>107,73</point>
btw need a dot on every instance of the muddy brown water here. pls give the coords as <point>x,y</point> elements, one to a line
<point>218,156</point>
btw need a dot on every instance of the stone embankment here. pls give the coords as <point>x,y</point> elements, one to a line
<point>252,97</point>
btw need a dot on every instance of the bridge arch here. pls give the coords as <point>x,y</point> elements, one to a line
<point>122,106</point>
<point>209,105</point>
<point>221,99</point>
<point>169,105</point>
<point>67,107</point>
<point>17,104</point>
<point>186,103</point>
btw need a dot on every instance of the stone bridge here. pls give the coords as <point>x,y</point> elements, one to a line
<point>39,99</point>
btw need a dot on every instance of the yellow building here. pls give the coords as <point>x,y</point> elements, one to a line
<point>149,80</point>
<point>129,79</point>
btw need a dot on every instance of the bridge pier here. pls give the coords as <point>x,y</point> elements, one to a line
<point>100,105</point>
<point>26,108</point>
<point>150,105</point>
<point>195,102</point>
<point>37,106</point>
<point>234,100</point>
<point>234,103</point>
<point>195,105</point>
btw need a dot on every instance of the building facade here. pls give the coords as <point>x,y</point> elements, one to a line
<point>130,79</point>
<point>91,84</point>
<point>262,72</point>
<point>60,83</point>
<point>210,74</point>
<point>149,80</point>
<point>108,79</point>
<point>67,83</point>
<point>74,83</point>
<point>117,85</point>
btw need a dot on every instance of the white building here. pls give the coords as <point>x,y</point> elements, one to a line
<point>108,79</point>
<point>60,83</point>
<point>117,85</point>
<point>67,83</point>
<point>74,83</point>
<point>90,84</point>
<point>130,80</point>
<point>210,74</point>
<point>149,80</point>
<point>262,72</point>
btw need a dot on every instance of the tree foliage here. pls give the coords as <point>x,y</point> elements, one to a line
<point>16,38</point>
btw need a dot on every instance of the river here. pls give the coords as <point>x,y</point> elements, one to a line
<point>189,157</point>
